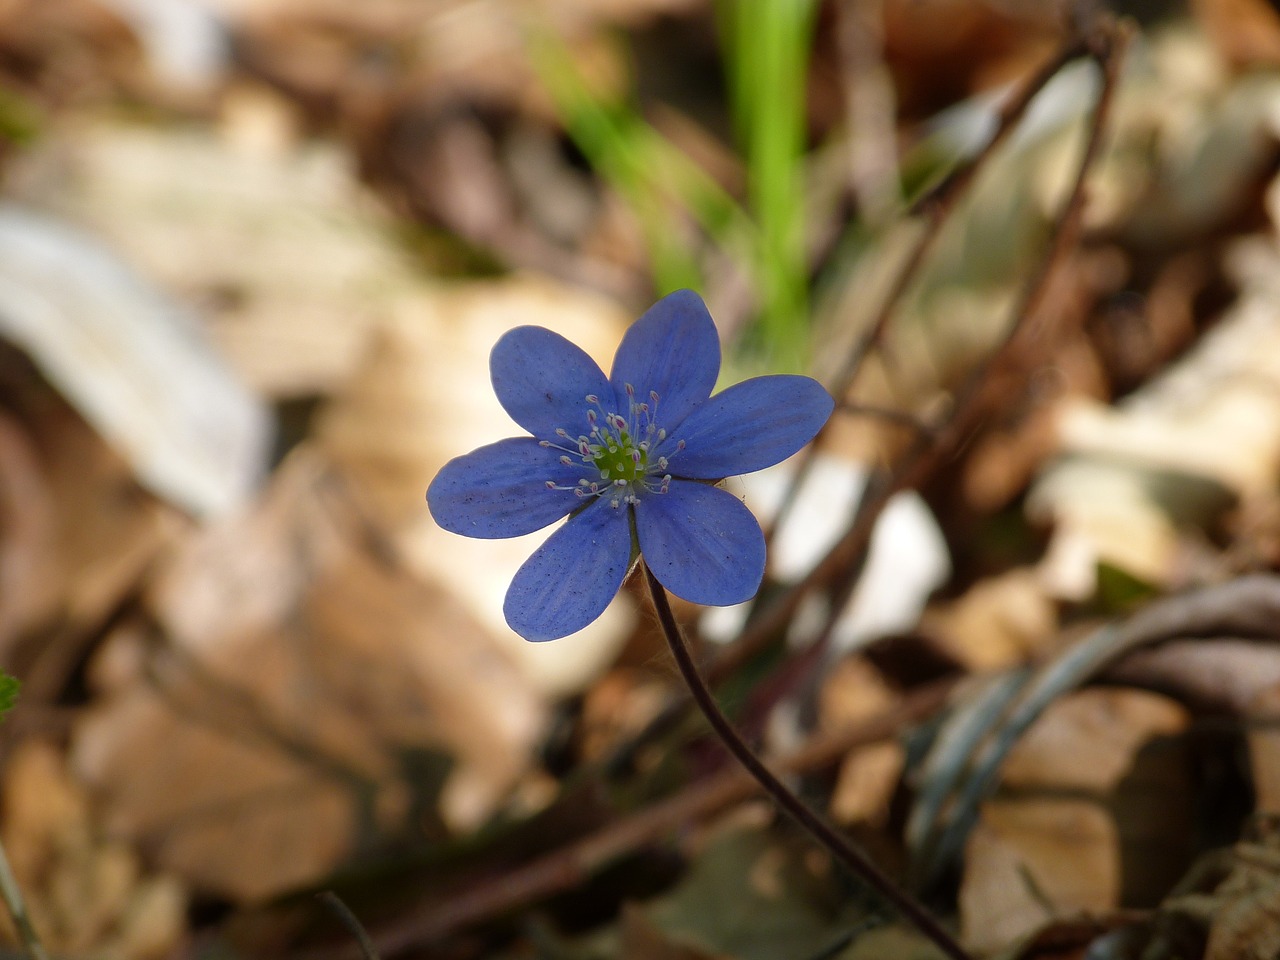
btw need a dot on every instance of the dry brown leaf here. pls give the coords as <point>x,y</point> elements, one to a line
<point>99,534</point>
<point>85,891</point>
<point>1035,856</point>
<point>1264,751</point>
<point>1028,861</point>
<point>1246,32</point>
<point>287,714</point>
<point>855,690</point>
<point>868,778</point>
<point>29,585</point>
<point>1087,740</point>
<point>997,622</point>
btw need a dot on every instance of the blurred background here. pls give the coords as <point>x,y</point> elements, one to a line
<point>253,257</point>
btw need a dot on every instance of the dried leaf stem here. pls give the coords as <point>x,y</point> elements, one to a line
<point>835,842</point>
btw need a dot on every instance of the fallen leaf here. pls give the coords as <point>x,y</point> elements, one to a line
<point>84,890</point>
<point>1028,861</point>
<point>131,363</point>
<point>291,694</point>
<point>998,622</point>
<point>422,397</point>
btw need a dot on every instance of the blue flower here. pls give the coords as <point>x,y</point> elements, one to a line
<point>632,460</point>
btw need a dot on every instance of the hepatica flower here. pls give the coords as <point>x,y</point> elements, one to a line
<point>632,460</point>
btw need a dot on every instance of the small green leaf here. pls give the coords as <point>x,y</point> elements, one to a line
<point>8,693</point>
<point>1120,591</point>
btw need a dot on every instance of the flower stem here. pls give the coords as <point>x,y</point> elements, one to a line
<point>18,910</point>
<point>839,846</point>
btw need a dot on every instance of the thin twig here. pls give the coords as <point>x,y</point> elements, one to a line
<point>935,207</point>
<point>18,909</point>
<point>923,456</point>
<point>349,920</point>
<point>898,418</point>
<point>575,863</point>
<point>835,842</point>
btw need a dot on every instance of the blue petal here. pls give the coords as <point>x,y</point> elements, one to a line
<point>750,426</point>
<point>542,380</point>
<point>701,543</point>
<point>501,490</point>
<point>672,350</point>
<point>572,577</point>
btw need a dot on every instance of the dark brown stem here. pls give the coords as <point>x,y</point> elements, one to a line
<point>1106,47</point>
<point>839,846</point>
<point>935,207</point>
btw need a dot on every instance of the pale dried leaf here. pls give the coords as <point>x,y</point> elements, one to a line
<point>1087,740</point>
<point>289,260</point>
<point>868,779</point>
<point>1031,860</point>
<point>131,363</point>
<point>997,622</point>
<point>423,396</point>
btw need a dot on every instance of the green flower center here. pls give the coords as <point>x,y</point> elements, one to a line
<point>630,454</point>
<point>620,458</point>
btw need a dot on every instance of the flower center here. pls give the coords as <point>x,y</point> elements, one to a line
<point>618,452</point>
<point>621,458</point>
